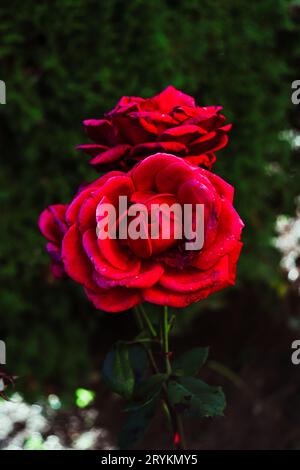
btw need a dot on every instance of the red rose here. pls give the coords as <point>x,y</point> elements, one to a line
<point>118,274</point>
<point>170,122</point>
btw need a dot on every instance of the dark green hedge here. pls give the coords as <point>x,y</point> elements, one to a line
<point>66,60</point>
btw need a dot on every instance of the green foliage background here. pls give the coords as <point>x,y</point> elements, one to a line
<point>67,60</point>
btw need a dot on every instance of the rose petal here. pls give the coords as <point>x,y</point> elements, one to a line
<point>144,173</point>
<point>199,191</point>
<point>208,120</point>
<point>150,148</point>
<point>171,97</point>
<point>224,189</point>
<point>183,134</point>
<point>192,280</point>
<point>101,131</point>
<point>57,267</point>
<point>92,149</point>
<point>141,247</point>
<point>114,253</point>
<point>131,130</point>
<point>114,300</point>
<point>226,128</point>
<point>126,104</point>
<point>155,117</point>
<point>141,196</point>
<point>52,222</point>
<point>121,185</point>
<point>75,260</point>
<point>170,178</point>
<point>205,160</point>
<point>229,231</point>
<point>148,276</point>
<point>233,259</point>
<point>210,143</point>
<point>162,296</point>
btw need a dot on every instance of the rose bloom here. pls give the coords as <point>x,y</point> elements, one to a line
<point>170,122</point>
<point>119,274</point>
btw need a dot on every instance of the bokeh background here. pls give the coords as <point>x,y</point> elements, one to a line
<point>68,60</point>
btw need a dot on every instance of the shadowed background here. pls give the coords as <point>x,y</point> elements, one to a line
<point>65,61</point>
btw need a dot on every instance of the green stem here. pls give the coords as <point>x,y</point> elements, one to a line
<point>171,322</point>
<point>146,344</point>
<point>170,411</point>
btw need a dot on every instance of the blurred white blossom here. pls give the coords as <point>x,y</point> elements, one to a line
<point>30,427</point>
